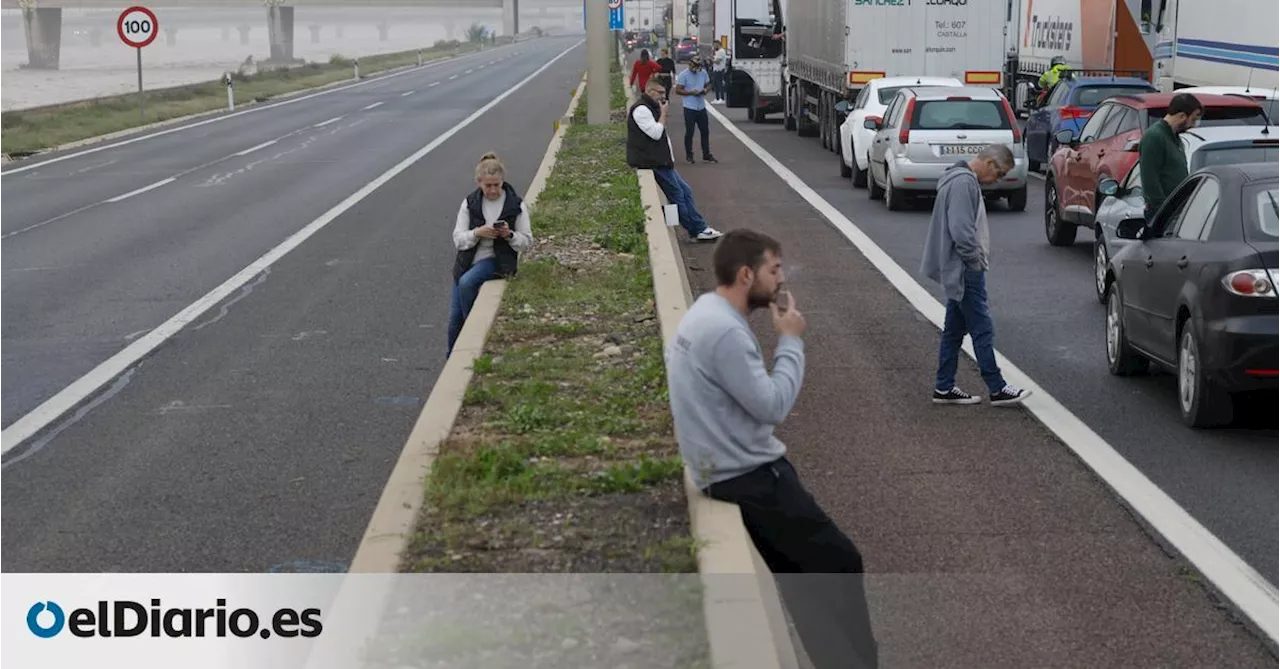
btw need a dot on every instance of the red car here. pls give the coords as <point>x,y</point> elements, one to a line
<point>1108,147</point>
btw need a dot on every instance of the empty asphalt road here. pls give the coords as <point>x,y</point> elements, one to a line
<point>259,436</point>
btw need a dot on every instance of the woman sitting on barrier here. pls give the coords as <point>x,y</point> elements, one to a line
<point>491,231</point>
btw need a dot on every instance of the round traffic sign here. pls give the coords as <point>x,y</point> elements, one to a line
<point>614,4</point>
<point>137,26</point>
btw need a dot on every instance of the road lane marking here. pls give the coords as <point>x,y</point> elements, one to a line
<point>332,120</point>
<point>453,77</point>
<point>434,83</point>
<point>55,219</point>
<point>1232,576</point>
<point>83,388</point>
<point>142,190</point>
<point>255,148</point>
<point>469,71</point>
<point>407,94</point>
<point>94,167</point>
<point>373,106</point>
<point>374,78</point>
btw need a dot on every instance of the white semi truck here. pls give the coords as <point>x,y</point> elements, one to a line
<point>835,47</point>
<point>752,31</point>
<point>1217,43</point>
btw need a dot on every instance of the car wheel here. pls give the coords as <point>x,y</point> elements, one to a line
<point>859,178</point>
<point>845,170</point>
<point>894,198</point>
<point>1018,200</point>
<point>1100,260</point>
<point>874,191</point>
<point>1202,403</point>
<point>1055,230</point>
<point>1122,360</point>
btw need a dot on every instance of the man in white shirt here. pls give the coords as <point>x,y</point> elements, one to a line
<point>649,148</point>
<point>719,73</point>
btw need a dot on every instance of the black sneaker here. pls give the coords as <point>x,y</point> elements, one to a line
<point>709,159</point>
<point>954,396</point>
<point>1009,396</point>
<point>688,159</point>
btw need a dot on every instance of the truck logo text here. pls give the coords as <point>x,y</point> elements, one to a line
<point>1053,33</point>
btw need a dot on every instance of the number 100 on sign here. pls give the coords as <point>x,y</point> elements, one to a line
<point>137,26</point>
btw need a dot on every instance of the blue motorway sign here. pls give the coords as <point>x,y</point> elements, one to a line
<point>615,15</point>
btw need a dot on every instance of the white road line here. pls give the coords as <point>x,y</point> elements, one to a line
<point>375,78</point>
<point>255,148</point>
<point>407,94</point>
<point>73,395</point>
<point>373,106</point>
<point>55,219</point>
<point>332,120</point>
<point>1235,579</point>
<point>434,83</point>
<point>453,77</point>
<point>469,71</point>
<point>143,189</point>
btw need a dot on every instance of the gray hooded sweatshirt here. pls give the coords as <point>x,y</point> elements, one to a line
<point>958,236</point>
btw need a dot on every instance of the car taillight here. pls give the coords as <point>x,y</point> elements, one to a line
<point>905,133</point>
<point>1013,121</point>
<point>1251,283</point>
<point>1069,112</point>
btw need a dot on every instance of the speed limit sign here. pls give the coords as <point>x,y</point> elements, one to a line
<point>137,26</point>
<point>614,4</point>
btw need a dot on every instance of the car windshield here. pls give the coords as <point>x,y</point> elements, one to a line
<point>886,94</point>
<point>1262,209</point>
<point>960,115</point>
<point>1092,96</point>
<point>1220,116</point>
<point>1234,155</point>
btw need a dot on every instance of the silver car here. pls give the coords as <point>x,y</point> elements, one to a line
<point>926,129</point>
<point>1220,145</point>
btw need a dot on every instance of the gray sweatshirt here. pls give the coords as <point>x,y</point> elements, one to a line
<point>724,401</point>
<point>958,235</point>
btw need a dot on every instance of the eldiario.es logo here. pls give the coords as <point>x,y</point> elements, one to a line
<point>124,618</point>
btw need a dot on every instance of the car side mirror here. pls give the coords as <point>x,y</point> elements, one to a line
<point>1065,137</point>
<point>1131,228</point>
<point>872,123</point>
<point>843,106</point>
<point>1132,145</point>
<point>1108,186</point>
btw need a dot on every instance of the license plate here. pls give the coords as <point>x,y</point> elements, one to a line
<point>960,149</point>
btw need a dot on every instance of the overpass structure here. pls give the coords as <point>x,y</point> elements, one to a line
<point>43,19</point>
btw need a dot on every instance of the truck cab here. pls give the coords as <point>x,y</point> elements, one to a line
<point>756,51</point>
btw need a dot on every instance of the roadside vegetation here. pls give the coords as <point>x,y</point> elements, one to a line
<point>31,130</point>
<point>563,459</point>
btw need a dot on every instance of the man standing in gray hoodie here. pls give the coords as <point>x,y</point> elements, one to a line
<point>957,254</point>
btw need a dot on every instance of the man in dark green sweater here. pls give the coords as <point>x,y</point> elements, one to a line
<point>1161,159</point>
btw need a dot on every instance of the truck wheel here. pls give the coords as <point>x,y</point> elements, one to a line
<point>1018,200</point>
<point>757,114</point>
<point>1058,232</point>
<point>824,128</point>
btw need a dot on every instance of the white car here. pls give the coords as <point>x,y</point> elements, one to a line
<point>1267,97</point>
<point>1204,147</point>
<point>928,129</point>
<point>855,140</point>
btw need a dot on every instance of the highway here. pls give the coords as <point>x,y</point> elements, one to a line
<point>1049,323</point>
<point>257,437</point>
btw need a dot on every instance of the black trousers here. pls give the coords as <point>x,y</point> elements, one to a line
<point>699,118</point>
<point>816,566</point>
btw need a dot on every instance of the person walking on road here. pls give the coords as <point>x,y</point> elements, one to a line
<point>649,148</point>
<point>693,85</point>
<point>642,69</point>
<point>667,73</point>
<point>957,254</point>
<point>726,405</point>
<point>1162,162</point>
<point>719,73</point>
<point>492,229</point>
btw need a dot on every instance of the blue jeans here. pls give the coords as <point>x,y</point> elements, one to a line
<point>465,291</point>
<point>969,316</point>
<point>679,193</point>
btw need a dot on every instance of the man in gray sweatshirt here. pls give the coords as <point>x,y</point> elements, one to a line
<point>726,405</point>
<point>957,254</point>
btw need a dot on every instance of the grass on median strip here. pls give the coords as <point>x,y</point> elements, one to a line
<point>29,131</point>
<point>564,444</point>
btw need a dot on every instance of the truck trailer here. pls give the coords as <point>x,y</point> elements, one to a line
<point>835,47</point>
<point>1218,43</point>
<point>1093,35</point>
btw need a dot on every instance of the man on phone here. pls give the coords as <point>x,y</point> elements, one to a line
<point>693,85</point>
<point>649,148</point>
<point>726,404</point>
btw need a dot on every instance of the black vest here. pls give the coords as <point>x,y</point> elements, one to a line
<point>643,151</point>
<point>503,254</point>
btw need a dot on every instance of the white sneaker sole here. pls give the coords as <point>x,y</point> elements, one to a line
<point>972,400</point>
<point>1008,403</point>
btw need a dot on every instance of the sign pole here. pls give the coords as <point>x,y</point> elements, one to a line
<point>142,97</point>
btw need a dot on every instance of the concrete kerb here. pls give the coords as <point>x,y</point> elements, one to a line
<point>177,120</point>
<point>745,619</point>
<point>392,524</point>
